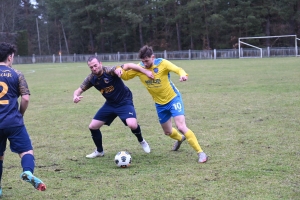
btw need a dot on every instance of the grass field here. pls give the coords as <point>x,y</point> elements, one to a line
<point>244,112</point>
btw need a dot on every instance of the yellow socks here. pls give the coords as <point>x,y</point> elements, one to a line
<point>175,135</point>
<point>192,140</point>
<point>190,137</point>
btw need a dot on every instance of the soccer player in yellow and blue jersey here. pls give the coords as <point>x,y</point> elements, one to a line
<point>12,86</point>
<point>154,73</point>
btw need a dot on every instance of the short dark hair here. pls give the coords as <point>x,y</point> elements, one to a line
<point>92,57</point>
<point>6,49</point>
<point>145,52</point>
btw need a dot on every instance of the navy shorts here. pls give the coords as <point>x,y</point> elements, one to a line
<point>18,137</point>
<point>108,113</point>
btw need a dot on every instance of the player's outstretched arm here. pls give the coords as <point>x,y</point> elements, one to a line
<point>138,68</point>
<point>77,95</point>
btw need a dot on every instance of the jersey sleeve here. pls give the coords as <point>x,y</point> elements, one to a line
<point>110,70</point>
<point>174,68</point>
<point>23,86</point>
<point>130,74</point>
<point>86,84</point>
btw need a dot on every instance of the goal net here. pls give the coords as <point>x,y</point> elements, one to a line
<point>268,46</point>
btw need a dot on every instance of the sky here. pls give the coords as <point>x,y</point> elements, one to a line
<point>33,1</point>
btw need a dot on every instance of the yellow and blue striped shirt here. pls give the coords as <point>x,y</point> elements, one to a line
<point>161,87</point>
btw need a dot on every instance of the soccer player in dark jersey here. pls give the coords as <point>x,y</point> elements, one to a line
<point>12,128</point>
<point>119,103</point>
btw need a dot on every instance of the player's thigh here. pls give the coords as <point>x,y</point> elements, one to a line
<point>163,112</point>
<point>19,140</point>
<point>127,114</point>
<point>105,115</point>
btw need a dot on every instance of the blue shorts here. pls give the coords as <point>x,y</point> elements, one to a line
<point>172,109</point>
<point>108,113</point>
<point>18,137</point>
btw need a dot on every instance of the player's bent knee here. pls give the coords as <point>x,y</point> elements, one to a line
<point>132,126</point>
<point>167,134</point>
<point>182,129</point>
<point>26,152</point>
<point>94,126</point>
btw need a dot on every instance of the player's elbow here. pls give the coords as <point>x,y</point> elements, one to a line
<point>126,66</point>
<point>25,98</point>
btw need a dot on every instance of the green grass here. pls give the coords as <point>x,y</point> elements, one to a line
<point>244,112</point>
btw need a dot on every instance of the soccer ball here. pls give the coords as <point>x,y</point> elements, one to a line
<point>123,159</point>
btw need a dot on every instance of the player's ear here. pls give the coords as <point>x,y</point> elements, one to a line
<point>10,57</point>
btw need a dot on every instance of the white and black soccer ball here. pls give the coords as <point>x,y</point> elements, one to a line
<point>123,159</point>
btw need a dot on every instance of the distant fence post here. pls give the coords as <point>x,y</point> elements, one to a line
<point>118,56</point>
<point>190,56</point>
<point>74,57</point>
<point>18,59</point>
<point>165,54</point>
<point>53,58</point>
<point>33,58</point>
<point>215,54</point>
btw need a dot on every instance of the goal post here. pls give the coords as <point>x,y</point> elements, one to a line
<point>242,40</point>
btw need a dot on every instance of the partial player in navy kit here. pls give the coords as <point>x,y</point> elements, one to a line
<point>12,128</point>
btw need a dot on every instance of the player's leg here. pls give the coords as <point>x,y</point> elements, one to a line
<point>27,162</point>
<point>128,116</point>
<point>20,143</point>
<point>173,133</point>
<point>96,134</point>
<point>177,112</point>
<point>3,140</point>
<point>190,137</point>
<point>1,171</point>
<point>136,130</point>
<point>103,116</point>
<point>164,115</point>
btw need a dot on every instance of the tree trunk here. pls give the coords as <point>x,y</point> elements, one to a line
<point>26,7</point>
<point>66,41</point>
<point>178,36</point>
<point>267,31</point>
<point>141,34</point>
<point>38,33</point>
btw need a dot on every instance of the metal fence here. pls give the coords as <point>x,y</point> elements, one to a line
<point>170,55</point>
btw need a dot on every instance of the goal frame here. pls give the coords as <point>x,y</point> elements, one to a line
<point>264,37</point>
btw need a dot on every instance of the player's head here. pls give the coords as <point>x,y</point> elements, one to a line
<point>147,56</point>
<point>95,65</point>
<point>7,52</point>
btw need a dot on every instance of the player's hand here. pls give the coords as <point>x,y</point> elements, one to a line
<point>76,99</point>
<point>119,72</point>
<point>149,74</point>
<point>183,78</point>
